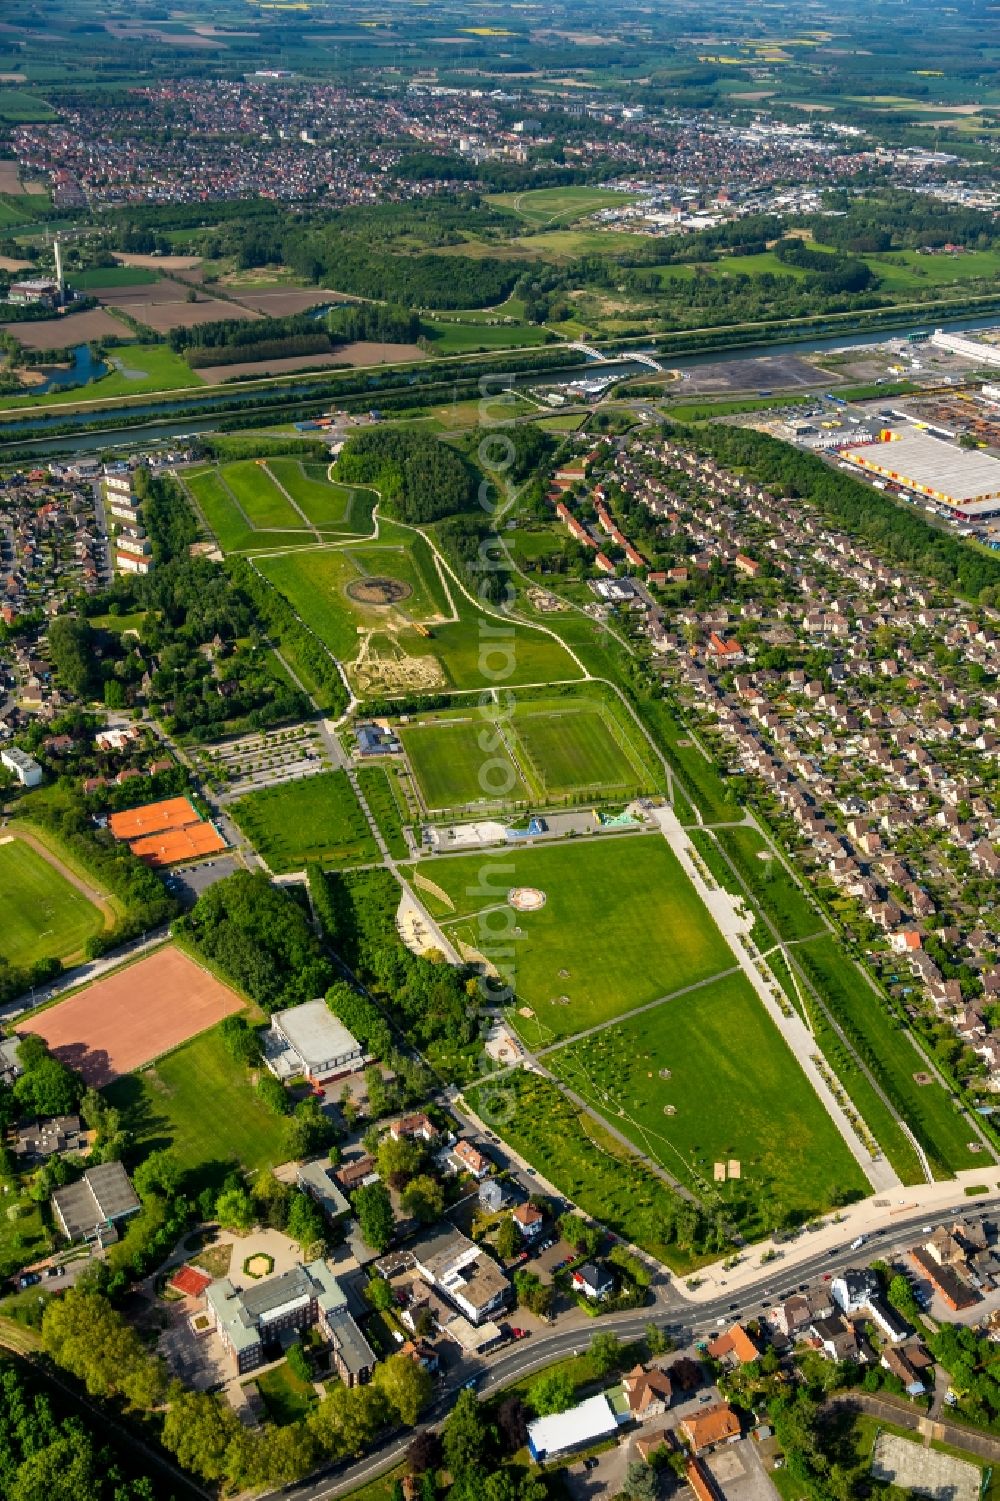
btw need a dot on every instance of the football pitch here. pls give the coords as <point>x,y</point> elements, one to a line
<point>656,1078</point>
<point>621,926</point>
<point>577,747</point>
<point>44,917</point>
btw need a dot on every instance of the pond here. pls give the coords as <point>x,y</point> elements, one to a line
<point>83,369</point>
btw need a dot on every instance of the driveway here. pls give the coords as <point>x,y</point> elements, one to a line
<point>607,1478</point>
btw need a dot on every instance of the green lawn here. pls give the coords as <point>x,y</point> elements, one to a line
<point>19,106</point>
<point>378,786</point>
<point>314,818</point>
<point>316,582</point>
<point>569,747</point>
<point>44,917</point>
<point>694,1055</point>
<point>222,515</point>
<point>572,747</point>
<point>146,368</point>
<point>621,926</point>
<point>259,497</point>
<point>460,763</point>
<point>325,504</point>
<point>286,1396</point>
<point>769,883</point>
<point>203,1105</point>
<point>582,1161</point>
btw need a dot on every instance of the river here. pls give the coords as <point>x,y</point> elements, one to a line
<point>157,426</point>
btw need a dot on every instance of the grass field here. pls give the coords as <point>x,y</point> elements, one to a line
<point>315,584</point>
<point>453,769</point>
<point>259,497</point>
<point>286,1396</point>
<point>326,505</point>
<point>574,746</point>
<point>582,1161</point>
<point>793,1160</point>
<point>545,208</point>
<point>146,368</point>
<point>44,917</point>
<point>218,506</point>
<point>378,787</point>
<point>768,881</point>
<point>314,818</point>
<point>889,1053</point>
<point>198,1103</point>
<point>621,927</point>
<point>469,338</point>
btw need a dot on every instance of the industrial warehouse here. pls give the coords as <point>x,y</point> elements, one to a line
<point>965,480</point>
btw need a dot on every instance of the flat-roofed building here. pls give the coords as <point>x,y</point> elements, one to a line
<point>587,1423</point>
<point>964,480</point>
<point>310,1040</point>
<point>249,1319</point>
<point>24,767</point>
<point>94,1207</point>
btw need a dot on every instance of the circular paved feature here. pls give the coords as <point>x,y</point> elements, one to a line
<point>526,898</point>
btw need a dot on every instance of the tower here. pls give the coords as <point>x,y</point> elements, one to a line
<point>59,271</point>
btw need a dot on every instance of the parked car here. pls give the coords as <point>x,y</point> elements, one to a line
<point>55,1271</point>
<point>29,1279</point>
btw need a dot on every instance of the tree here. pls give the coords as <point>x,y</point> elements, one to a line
<point>552,1392</point>
<point>658,1342</point>
<point>405,1385</point>
<point>640,1482</point>
<point>398,1160</point>
<point>198,1430</point>
<point>376,1221</point>
<point>160,1173</point>
<point>234,1209</point>
<point>508,1241</point>
<point>424,1453</point>
<point>464,1437</point>
<point>423,1197</point>
<point>512,1424</point>
<point>380,1294</point>
<point>48,1087</point>
<point>308,1131</point>
<point>605,1351</point>
<point>305,1224</point>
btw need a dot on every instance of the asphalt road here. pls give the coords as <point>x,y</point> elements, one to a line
<point>684,1321</point>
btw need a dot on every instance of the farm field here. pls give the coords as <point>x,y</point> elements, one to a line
<point>686,1055</point>
<point>134,1015</point>
<point>621,927</point>
<point>44,916</point>
<point>583,1162</point>
<point>314,818</point>
<point>206,1110</point>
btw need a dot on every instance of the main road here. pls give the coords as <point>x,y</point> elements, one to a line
<point>686,1322</point>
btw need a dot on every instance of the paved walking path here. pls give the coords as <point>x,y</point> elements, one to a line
<point>735,929</point>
